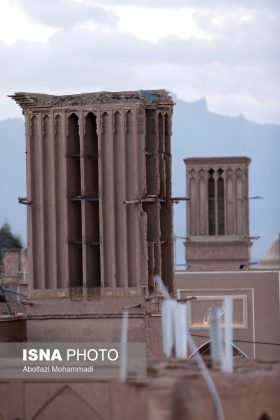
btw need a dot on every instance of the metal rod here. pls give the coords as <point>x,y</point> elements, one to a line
<point>24,200</point>
<point>187,299</point>
<point>177,199</point>
<point>141,200</point>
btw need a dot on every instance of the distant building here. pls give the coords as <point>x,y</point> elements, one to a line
<point>272,261</point>
<point>217,213</point>
<point>218,255</point>
<point>15,263</point>
<point>13,289</point>
<point>14,274</point>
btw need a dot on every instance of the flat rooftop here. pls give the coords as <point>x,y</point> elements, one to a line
<point>28,100</point>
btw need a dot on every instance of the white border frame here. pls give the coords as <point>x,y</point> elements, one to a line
<point>213,296</point>
<point>242,298</point>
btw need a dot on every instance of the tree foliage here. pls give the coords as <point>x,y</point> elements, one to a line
<point>8,240</point>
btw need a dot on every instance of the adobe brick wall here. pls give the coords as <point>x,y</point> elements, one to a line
<point>174,390</point>
<point>14,261</point>
<point>246,395</point>
<point>13,328</point>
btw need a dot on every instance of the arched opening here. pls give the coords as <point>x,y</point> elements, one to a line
<point>201,200</point>
<point>211,204</point>
<point>73,154</point>
<point>48,204</point>
<point>161,156</point>
<point>205,350</point>
<point>239,205</point>
<point>193,206</point>
<point>230,203</point>
<point>37,220</point>
<point>60,202</point>
<point>167,154</point>
<point>74,202</point>
<point>152,209</point>
<point>221,203</point>
<point>130,195</point>
<point>93,276</point>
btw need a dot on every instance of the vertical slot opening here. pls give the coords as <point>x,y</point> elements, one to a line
<point>60,202</point>
<point>92,202</point>
<point>151,153</point>
<point>230,202</point>
<point>239,205</point>
<point>193,204</point>
<point>167,152</point>
<point>166,244</point>
<point>131,211</point>
<point>73,157</point>
<point>152,209</point>
<point>211,203</point>
<point>221,203</point>
<point>202,203</point>
<point>47,203</point>
<point>35,188</point>
<point>119,208</point>
<point>161,152</point>
<point>74,203</point>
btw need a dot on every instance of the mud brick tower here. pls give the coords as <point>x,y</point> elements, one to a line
<point>98,195</point>
<point>217,213</point>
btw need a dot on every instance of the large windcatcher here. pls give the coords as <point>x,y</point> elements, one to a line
<point>99,191</point>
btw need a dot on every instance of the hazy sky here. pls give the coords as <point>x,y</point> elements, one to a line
<point>226,51</point>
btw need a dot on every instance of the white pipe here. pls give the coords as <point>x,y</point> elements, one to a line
<point>228,361</point>
<point>207,377</point>
<point>217,352</point>
<point>168,333</point>
<point>123,347</point>
<point>180,326</point>
<point>162,287</point>
<point>205,373</point>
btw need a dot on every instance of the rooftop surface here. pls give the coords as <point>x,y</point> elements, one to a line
<point>28,100</point>
<point>217,160</point>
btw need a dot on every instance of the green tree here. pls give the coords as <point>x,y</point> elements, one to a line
<point>8,240</point>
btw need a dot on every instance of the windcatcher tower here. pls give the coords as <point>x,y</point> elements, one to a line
<point>217,213</point>
<point>98,194</point>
